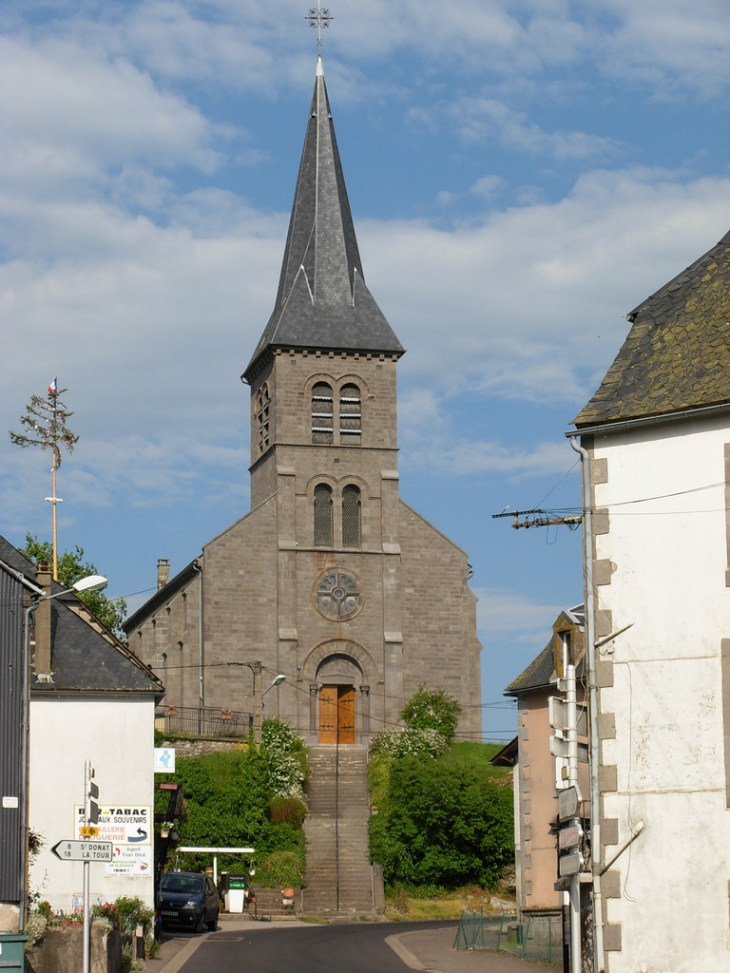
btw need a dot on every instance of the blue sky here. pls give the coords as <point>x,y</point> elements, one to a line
<point>521,175</point>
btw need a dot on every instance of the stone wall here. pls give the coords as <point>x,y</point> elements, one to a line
<point>62,951</point>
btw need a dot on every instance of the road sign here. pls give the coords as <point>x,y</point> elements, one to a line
<point>569,803</point>
<point>570,864</point>
<point>559,748</point>
<point>69,850</point>
<point>570,837</point>
<point>558,711</point>
<point>89,831</point>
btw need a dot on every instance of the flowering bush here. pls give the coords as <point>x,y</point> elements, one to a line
<point>409,742</point>
<point>286,757</point>
<point>35,929</point>
<point>432,709</point>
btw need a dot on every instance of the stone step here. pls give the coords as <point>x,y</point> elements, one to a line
<point>338,801</point>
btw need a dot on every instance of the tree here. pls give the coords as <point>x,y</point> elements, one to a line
<point>45,426</point>
<point>71,568</point>
<point>432,709</point>
<point>441,825</point>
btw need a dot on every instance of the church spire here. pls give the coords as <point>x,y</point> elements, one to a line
<point>322,301</point>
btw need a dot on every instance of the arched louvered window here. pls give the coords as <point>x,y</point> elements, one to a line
<point>351,508</point>
<point>322,414</point>
<point>350,415</point>
<point>262,417</point>
<point>323,522</point>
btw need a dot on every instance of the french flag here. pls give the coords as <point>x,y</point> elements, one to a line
<point>53,387</point>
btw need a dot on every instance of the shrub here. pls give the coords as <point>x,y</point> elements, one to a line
<point>232,799</point>
<point>409,742</point>
<point>287,809</point>
<point>281,868</point>
<point>35,929</point>
<point>286,757</point>
<point>441,824</point>
<point>432,709</point>
<point>133,912</point>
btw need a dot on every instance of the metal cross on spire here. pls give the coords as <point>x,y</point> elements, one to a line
<point>320,18</point>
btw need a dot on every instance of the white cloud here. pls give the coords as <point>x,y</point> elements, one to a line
<point>668,45</point>
<point>500,611</point>
<point>430,442</point>
<point>68,115</point>
<point>525,301</point>
<point>488,186</point>
<point>482,119</point>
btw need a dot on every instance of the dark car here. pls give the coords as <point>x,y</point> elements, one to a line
<point>188,899</point>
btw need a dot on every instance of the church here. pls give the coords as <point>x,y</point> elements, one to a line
<point>331,580</point>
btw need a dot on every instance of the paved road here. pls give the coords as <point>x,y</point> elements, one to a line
<point>345,948</point>
<point>296,947</point>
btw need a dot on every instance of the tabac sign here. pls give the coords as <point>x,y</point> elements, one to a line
<point>129,828</point>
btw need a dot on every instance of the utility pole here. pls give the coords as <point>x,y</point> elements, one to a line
<point>91,816</point>
<point>257,702</point>
<point>564,743</point>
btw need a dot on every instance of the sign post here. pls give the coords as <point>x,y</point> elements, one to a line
<point>91,815</point>
<point>69,850</point>
<point>564,743</point>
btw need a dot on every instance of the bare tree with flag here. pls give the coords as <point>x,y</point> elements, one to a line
<point>44,425</point>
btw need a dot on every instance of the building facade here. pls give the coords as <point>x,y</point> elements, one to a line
<point>656,438</point>
<point>89,699</point>
<point>332,579</point>
<point>539,775</point>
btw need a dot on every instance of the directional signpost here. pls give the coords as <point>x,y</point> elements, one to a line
<point>566,724</point>
<point>69,850</point>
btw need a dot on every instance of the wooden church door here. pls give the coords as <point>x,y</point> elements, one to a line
<point>337,714</point>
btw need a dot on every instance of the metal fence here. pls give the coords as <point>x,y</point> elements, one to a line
<point>203,721</point>
<point>538,938</point>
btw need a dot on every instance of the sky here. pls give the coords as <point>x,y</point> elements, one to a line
<point>522,174</point>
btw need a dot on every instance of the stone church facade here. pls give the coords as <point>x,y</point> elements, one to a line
<point>331,579</point>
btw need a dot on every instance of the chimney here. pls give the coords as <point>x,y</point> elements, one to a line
<point>163,572</point>
<point>42,627</point>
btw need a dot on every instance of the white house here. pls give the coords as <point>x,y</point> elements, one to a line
<point>656,436</point>
<point>90,699</point>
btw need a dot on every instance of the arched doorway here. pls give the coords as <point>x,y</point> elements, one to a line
<point>339,682</point>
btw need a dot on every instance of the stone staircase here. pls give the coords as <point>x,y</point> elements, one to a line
<point>340,878</point>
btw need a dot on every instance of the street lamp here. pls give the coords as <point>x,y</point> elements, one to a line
<point>276,681</point>
<point>93,582</point>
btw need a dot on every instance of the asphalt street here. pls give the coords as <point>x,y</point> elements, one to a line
<point>351,947</point>
<point>345,948</point>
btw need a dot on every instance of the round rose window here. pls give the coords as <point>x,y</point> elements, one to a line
<point>338,594</point>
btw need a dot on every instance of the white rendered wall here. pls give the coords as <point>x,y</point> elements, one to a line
<point>117,735</point>
<point>665,498</point>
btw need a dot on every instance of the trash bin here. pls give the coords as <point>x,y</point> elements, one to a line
<point>12,950</point>
<point>236,895</point>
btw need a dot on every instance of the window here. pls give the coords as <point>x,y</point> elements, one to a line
<point>350,415</point>
<point>351,508</point>
<point>323,526</point>
<point>322,414</point>
<point>339,595</point>
<point>262,417</point>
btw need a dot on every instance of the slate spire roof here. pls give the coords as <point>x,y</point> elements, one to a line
<point>323,301</point>
<point>677,354</point>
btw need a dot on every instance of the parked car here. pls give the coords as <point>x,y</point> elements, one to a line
<point>188,899</point>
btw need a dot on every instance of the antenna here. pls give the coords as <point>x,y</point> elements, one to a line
<point>320,18</point>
